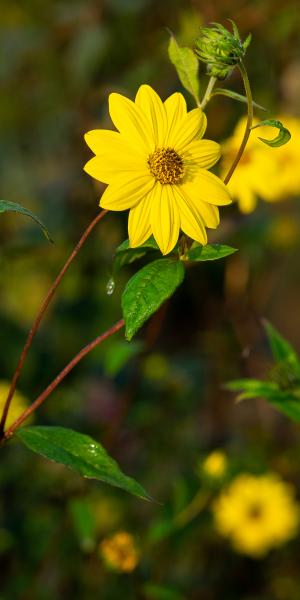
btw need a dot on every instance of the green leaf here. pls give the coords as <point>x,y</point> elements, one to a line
<point>147,290</point>
<point>284,401</point>
<point>118,354</point>
<point>161,592</point>
<point>287,405</point>
<point>13,207</point>
<point>84,523</point>
<point>80,453</point>
<point>125,255</point>
<point>186,65</point>
<point>283,136</point>
<point>281,348</point>
<point>209,252</point>
<point>235,96</point>
<point>253,388</point>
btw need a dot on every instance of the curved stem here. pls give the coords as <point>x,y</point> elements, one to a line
<point>51,387</point>
<point>40,315</point>
<point>207,95</point>
<point>248,124</point>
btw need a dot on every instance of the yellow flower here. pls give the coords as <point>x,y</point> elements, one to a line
<point>257,513</point>
<point>268,173</point>
<point>18,404</point>
<point>119,552</point>
<point>156,166</point>
<point>215,464</point>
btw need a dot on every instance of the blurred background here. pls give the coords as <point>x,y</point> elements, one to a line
<point>158,405</point>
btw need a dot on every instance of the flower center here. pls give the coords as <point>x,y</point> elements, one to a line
<point>166,165</point>
<point>255,512</point>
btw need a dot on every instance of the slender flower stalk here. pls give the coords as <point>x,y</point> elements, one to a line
<point>249,122</point>
<point>40,315</point>
<point>58,379</point>
<point>206,98</point>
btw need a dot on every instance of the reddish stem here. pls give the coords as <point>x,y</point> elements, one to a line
<point>51,387</point>
<point>40,315</point>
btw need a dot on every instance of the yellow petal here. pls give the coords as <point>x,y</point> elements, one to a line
<point>105,142</point>
<point>207,187</point>
<point>191,221</point>
<point>153,108</point>
<point>125,192</point>
<point>164,217</point>
<point>139,225</point>
<point>209,214</point>
<point>132,123</point>
<point>192,127</point>
<point>175,107</point>
<point>202,153</point>
<point>246,198</point>
<point>107,168</point>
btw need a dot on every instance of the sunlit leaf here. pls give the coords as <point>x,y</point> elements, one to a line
<point>5,206</point>
<point>80,453</point>
<point>283,135</point>
<point>147,290</point>
<point>186,65</point>
<point>209,252</point>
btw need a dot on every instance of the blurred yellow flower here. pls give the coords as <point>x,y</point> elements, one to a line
<point>263,172</point>
<point>215,464</point>
<point>119,552</point>
<point>18,405</point>
<point>156,166</point>
<point>257,513</point>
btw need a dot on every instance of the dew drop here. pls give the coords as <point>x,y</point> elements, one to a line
<point>110,286</point>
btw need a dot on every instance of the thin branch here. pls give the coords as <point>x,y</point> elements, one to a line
<point>58,379</point>
<point>40,315</point>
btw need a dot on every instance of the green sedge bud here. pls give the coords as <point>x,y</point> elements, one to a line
<point>220,49</point>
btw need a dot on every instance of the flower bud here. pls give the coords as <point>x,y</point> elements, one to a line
<point>220,49</point>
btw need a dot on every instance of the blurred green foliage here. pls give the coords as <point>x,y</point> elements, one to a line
<point>160,407</point>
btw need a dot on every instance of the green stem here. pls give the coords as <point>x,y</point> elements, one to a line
<point>197,504</point>
<point>207,95</point>
<point>248,124</point>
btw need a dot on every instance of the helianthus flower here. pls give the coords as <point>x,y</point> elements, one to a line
<point>156,166</point>
<point>255,175</point>
<point>257,513</point>
<point>215,464</point>
<point>263,172</point>
<point>18,405</point>
<point>119,552</point>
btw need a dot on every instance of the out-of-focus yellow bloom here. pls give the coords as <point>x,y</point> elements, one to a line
<point>263,172</point>
<point>18,404</point>
<point>156,165</point>
<point>215,464</point>
<point>257,513</point>
<point>156,367</point>
<point>119,552</point>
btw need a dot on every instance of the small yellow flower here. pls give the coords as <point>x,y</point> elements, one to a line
<point>119,552</point>
<point>18,404</point>
<point>263,172</point>
<point>257,513</point>
<point>215,464</point>
<point>156,166</point>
